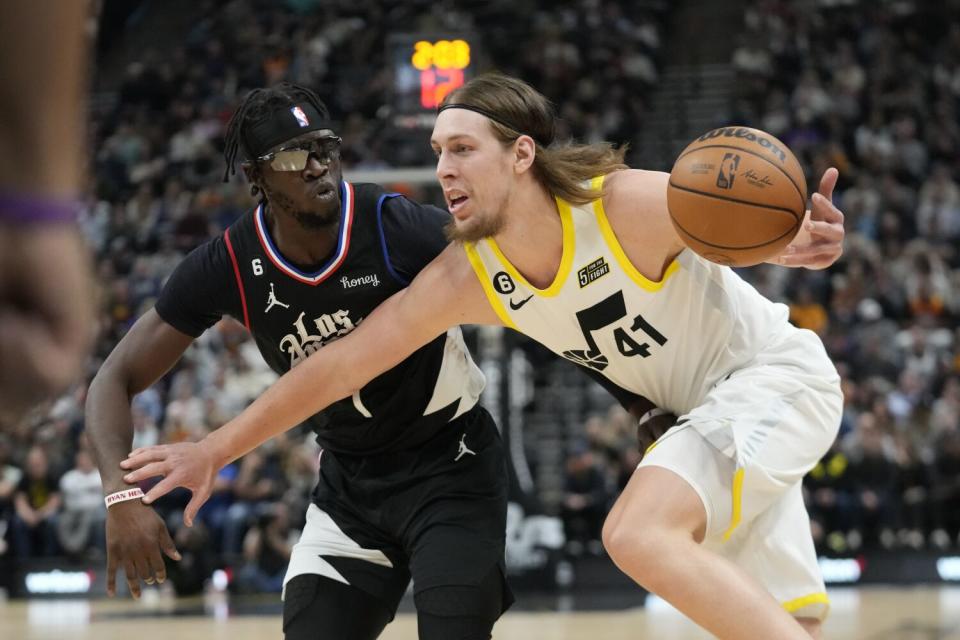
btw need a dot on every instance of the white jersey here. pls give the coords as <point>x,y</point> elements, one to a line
<point>670,341</point>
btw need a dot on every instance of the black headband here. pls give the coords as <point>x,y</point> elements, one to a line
<point>492,116</point>
<point>284,123</point>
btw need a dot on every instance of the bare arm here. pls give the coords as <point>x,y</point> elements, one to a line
<point>147,352</point>
<point>442,296</point>
<point>445,294</point>
<point>46,310</point>
<point>43,77</point>
<point>135,534</point>
<point>636,205</point>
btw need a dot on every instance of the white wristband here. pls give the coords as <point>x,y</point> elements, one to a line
<point>123,496</point>
<point>650,415</point>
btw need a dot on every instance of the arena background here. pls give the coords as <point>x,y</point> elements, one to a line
<point>870,87</point>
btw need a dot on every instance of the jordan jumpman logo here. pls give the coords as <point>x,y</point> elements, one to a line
<point>272,300</point>
<point>463,449</point>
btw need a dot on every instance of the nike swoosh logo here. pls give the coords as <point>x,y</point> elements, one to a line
<point>516,305</point>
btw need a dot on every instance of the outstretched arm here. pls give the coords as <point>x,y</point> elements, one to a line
<point>445,294</point>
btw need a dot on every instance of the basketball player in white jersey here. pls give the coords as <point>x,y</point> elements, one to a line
<point>563,243</point>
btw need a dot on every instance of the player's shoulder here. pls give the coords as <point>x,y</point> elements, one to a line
<point>368,189</point>
<point>398,205</point>
<point>635,202</point>
<point>370,195</point>
<point>632,186</point>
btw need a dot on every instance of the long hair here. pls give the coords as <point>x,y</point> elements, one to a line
<point>519,109</point>
<point>257,106</point>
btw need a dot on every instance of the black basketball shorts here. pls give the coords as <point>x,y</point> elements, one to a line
<point>436,514</point>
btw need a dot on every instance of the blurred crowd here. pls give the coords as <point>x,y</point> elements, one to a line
<point>156,191</point>
<point>871,89</point>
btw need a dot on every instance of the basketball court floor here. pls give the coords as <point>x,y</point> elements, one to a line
<point>922,613</point>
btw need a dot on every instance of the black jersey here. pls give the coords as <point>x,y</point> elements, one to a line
<point>292,313</point>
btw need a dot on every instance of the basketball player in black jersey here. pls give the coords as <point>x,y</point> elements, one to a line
<point>413,476</point>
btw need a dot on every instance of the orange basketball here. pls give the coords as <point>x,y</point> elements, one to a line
<point>737,196</point>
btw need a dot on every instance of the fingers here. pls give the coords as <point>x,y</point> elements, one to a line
<point>193,507</point>
<point>828,182</point>
<point>143,569</point>
<point>111,574</point>
<point>809,260</point>
<point>824,209</point>
<point>168,546</point>
<point>156,570</point>
<point>829,231</point>
<point>146,471</point>
<point>133,583</point>
<point>142,456</point>
<point>160,489</point>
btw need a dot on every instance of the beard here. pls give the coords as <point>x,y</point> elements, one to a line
<point>479,225</point>
<point>308,219</point>
<point>316,220</point>
<point>475,229</point>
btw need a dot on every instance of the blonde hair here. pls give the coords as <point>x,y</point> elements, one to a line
<point>514,108</point>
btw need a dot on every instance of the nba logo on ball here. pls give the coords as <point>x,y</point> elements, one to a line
<point>728,169</point>
<point>300,116</point>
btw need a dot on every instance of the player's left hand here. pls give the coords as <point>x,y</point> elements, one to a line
<point>820,241</point>
<point>185,464</point>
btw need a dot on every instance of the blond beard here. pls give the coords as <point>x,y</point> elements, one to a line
<point>474,231</point>
<point>482,226</point>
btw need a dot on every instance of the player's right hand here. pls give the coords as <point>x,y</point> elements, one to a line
<point>135,537</point>
<point>185,464</point>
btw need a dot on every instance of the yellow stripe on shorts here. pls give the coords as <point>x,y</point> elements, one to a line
<point>805,601</point>
<point>737,503</point>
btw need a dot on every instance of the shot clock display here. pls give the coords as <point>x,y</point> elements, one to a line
<point>428,67</point>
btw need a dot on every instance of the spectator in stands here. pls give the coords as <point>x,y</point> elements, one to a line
<point>214,512</point>
<point>586,497</point>
<point>829,495</point>
<point>10,476</point>
<point>80,523</point>
<point>259,483</point>
<point>914,487</point>
<point>946,490</point>
<point>807,313</point>
<point>266,551</point>
<point>874,478</point>
<point>36,501</point>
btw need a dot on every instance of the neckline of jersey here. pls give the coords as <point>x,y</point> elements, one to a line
<point>343,242</point>
<point>566,257</point>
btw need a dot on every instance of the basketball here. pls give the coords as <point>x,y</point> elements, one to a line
<point>737,196</point>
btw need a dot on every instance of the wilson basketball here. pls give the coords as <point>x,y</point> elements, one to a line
<point>737,196</point>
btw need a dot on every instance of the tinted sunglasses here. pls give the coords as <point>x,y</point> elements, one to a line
<point>295,157</point>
